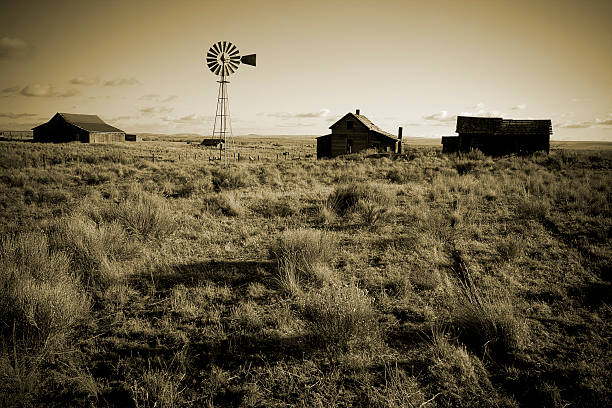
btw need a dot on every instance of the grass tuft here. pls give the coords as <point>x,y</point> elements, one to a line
<point>347,197</point>
<point>340,317</point>
<point>40,302</point>
<point>303,256</point>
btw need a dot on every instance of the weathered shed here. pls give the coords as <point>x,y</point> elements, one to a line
<point>72,127</point>
<point>354,133</point>
<point>498,136</point>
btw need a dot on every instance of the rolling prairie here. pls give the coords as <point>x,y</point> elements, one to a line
<point>147,275</point>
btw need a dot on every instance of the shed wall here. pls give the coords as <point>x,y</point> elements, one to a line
<point>106,137</point>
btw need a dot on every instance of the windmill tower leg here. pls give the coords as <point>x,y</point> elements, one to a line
<point>222,127</point>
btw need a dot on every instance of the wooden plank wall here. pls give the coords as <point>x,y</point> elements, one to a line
<point>106,137</point>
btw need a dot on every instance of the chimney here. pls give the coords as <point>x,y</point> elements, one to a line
<point>399,143</point>
<point>357,112</point>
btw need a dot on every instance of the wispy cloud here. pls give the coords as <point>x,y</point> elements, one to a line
<point>122,82</point>
<point>521,106</point>
<point>121,118</point>
<point>157,98</point>
<point>12,90</point>
<point>443,117</point>
<point>585,124</point>
<point>84,81</point>
<point>289,115</point>
<point>157,110</point>
<point>13,48</point>
<point>47,91</point>
<point>188,119</point>
<point>17,115</point>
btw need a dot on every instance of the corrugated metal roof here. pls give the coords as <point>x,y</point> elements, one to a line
<point>500,126</point>
<point>91,123</point>
<point>367,123</point>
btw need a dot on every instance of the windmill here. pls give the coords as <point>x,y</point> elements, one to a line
<point>223,59</point>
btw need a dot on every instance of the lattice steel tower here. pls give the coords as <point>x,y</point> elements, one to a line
<point>223,59</point>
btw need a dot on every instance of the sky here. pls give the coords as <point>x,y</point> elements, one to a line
<point>140,65</point>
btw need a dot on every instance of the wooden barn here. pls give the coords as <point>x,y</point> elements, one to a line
<point>72,127</point>
<point>498,136</point>
<point>354,133</point>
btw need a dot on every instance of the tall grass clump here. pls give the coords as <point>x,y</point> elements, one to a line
<point>231,178</point>
<point>92,249</point>
<point>226,202</point>
<point>144,214</point>
<point>459,375</point>
<point>303,256</point>
<point>346,198</point>
<point>41,303</point>
<point>486,320</point>
<point>340,317</point>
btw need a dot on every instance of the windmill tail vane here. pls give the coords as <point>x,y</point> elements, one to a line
<point>223,59</point>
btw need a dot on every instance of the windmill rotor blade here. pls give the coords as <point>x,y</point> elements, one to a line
<point>211,54</point>
<point>210,59</point>
<point>220,45</point>
<point>232,50</point>
<point>211,63</point>
<point>214,68</point>
<point>249,59</point>
<point>230,69</point>
<point>217,69</point>
<point>235,57</point>
<point>225,46</point>
<point>233,65</point>
<point>215,48</point>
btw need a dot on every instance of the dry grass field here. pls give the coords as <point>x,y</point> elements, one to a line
<point>146,275</point>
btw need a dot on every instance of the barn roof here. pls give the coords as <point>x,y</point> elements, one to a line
<point>367,123</point>
<point>500,126</point>
<point>525,127</point>
<point>471,124</point>
<point>90,123</point>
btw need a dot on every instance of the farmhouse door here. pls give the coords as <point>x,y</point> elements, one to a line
<point>349,146</point>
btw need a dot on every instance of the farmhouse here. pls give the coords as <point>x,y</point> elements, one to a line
<point>498,136</point>
<point>72,127</point>
<point>354,133</point>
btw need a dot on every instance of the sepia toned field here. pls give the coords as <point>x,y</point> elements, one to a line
<point>148,275</point>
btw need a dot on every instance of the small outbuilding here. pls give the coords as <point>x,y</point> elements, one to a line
<point>498,136</point>
<point>72,127</point>
<point>354,133</point>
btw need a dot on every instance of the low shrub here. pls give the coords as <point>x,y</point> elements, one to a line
<point>226,203</point>
<point>340,317</point>
<point>399,390</point>
<point>303,255</point>
<point>486,321</point>
<point>232,178</point>
<point>92,249</point>
<point>272,206</point>
<point>459,375</point>
<point>145,214</point>
<point>345,198</point>
<point>533,208</point>
<point>40,303</point>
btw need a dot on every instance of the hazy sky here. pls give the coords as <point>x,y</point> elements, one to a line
<point>417,64</point>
